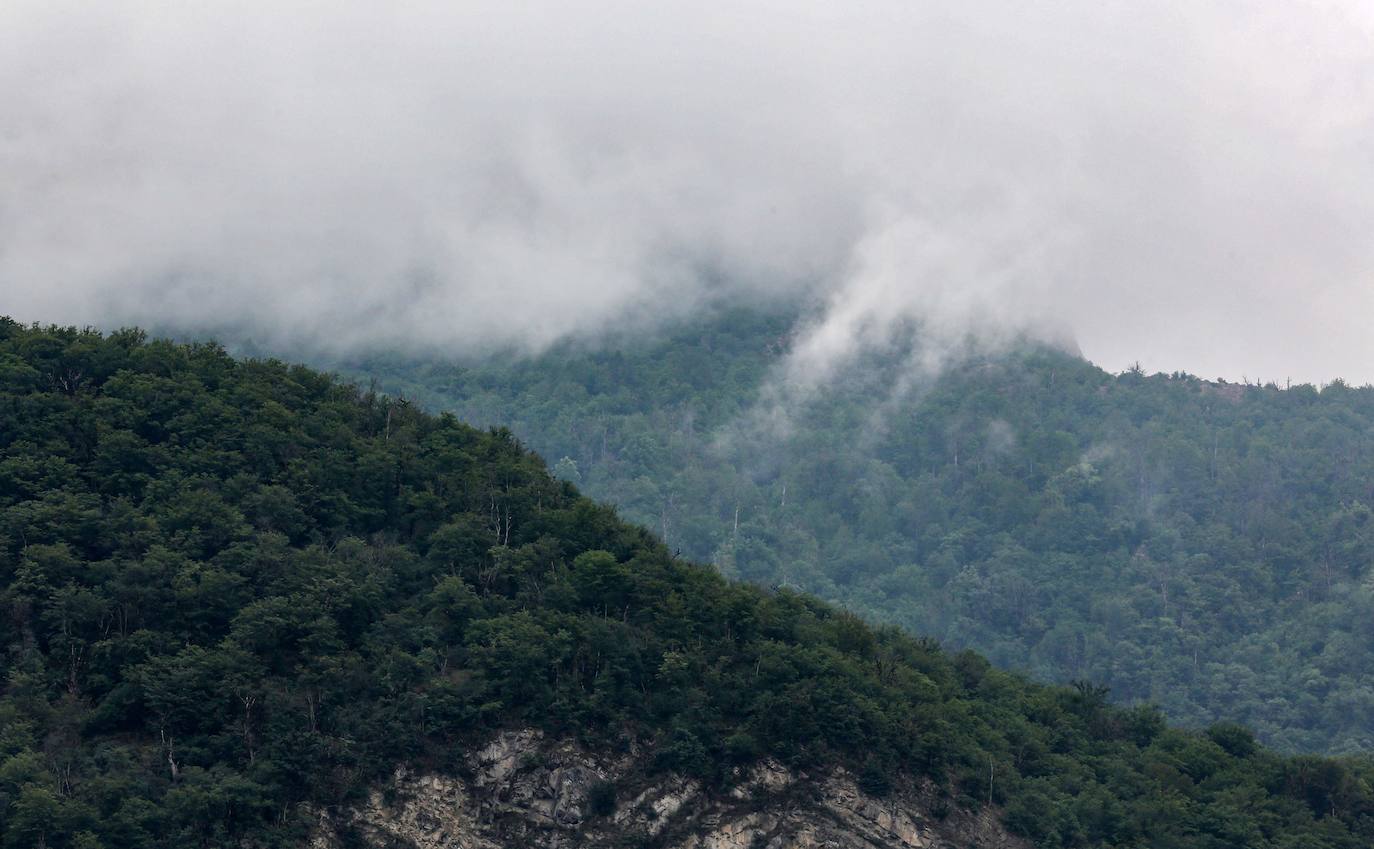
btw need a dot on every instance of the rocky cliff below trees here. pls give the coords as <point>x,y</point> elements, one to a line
<point>524,790</point>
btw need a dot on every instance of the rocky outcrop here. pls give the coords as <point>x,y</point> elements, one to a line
<point>522,790</point>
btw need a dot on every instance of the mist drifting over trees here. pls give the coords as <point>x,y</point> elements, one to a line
<point>1184,184</point>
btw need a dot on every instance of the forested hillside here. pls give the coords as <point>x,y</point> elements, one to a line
<point>1200,545</point>
<point>228,588</point>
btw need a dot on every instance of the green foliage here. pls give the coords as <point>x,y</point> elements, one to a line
<point>601,798</point>
<point>231,587</point>
<point>1205,546</point>
<point>874,780</point>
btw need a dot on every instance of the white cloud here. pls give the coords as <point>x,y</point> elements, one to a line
<point>1190,185</point>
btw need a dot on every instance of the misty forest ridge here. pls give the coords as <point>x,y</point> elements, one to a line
<point>238,594</point>
<point>1206,547</point>
<point>902,425</point>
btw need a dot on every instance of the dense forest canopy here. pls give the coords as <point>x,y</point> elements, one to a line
<point>228,587</point>
<point>1201,545</point>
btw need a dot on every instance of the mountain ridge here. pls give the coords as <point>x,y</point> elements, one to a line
<point>1157,533</point>
<point>238,594</point>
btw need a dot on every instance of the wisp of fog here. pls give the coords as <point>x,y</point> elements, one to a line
<point>1186,184</point>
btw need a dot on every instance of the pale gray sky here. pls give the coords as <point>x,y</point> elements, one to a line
<point>1187,184</point>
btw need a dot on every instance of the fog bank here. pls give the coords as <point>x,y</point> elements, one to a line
<point>1188,185</point>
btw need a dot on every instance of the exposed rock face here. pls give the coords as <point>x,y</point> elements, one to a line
<point>522,791</point>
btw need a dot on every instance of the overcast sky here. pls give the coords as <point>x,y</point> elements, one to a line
<point>1186,184</point>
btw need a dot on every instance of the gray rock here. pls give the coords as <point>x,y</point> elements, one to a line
<point>529,792</point>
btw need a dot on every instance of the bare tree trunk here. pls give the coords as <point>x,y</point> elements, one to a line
<point>167,744</point>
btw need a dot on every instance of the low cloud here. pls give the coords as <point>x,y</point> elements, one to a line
<point>1188,185</point>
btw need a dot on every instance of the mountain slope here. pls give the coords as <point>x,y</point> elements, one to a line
<point>237,596</point>
<point>1204,546</point>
